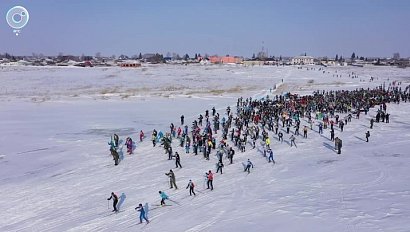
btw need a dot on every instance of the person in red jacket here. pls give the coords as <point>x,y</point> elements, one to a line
<point>210,179</point>
<point>141,135</point>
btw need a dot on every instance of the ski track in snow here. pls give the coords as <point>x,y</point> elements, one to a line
<point>58,179</point>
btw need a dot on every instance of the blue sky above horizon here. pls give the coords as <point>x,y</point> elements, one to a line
<point>234,27</point>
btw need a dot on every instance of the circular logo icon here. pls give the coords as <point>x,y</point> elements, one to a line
<point>17,17</point>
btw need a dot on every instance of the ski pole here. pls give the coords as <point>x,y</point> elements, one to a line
<point>108,204</point>
<point>173,201</point>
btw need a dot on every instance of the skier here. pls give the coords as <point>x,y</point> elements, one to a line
<point>280,136</point>
<point>169,153</point>
<point>231,153</point>
<point>164,197</point>
<point>338,145</point>
<point>128,143</point>
<point>154,138</point>
<point>171,176</point>
<point>187,145</point>
<point>177,160</point>
<point>219,154</point>
<point>332,135</point>
<point>341,125</point>
<point>248,166</point>
<point>191,187</point>
<point>367,136</point>
<point>371,123</point>
<point>160,136</point>
<point>141,135</point>
<point>210,178</point>
<point>141,209</point>
<point>115,156</point>
<point>171,127</point>
<point>112,144</point>
<point>116,140</point>
<point>115,201</point>
<point>219,165</point>
<point>182,119</point>
<point>195,148</point>
<point>292,140</point>
<point>271,156</point>
<point>179,131</point>
<point>267,142</point>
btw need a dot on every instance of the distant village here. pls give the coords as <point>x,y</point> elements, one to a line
<point>155,58</point>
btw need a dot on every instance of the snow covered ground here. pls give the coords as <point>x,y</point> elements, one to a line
<point>56,171</point>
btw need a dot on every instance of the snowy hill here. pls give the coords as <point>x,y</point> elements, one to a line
<point>56,171</point>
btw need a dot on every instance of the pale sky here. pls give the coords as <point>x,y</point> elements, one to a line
<point>234,27</point>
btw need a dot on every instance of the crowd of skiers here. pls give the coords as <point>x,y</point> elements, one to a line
<point>258,120</point>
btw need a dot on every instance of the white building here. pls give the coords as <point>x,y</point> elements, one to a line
<point>302,60</point>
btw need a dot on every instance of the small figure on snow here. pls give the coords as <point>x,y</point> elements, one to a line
<point>210,178</point>
<point>154,138</point>
<point>115,201</point>
<point>115,156</point>
<point>182,119</point>
<point>219,166</point>
<point>129,144</point>
<point>164,197</point>
<point>141,209</point>
<point>191,187</point>
<point>271,159</point>
<point>338,145</point>
<point>280,136</point>
<point>116,140</point>
<point>248,166</point>
<point>292,140</point>
<point>267,142</point>
<point>171,176</point>
<point>367,136</point>
<point>177,160</point>
<point>141,135</point>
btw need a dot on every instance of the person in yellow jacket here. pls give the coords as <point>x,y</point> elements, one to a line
<point>267,142</point>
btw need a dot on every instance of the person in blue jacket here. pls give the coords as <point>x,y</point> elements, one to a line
<point>271,156</point>
<point>141,209</point>
<point>248,166</point>
<point>160,136</point>
<point>164,197</point>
